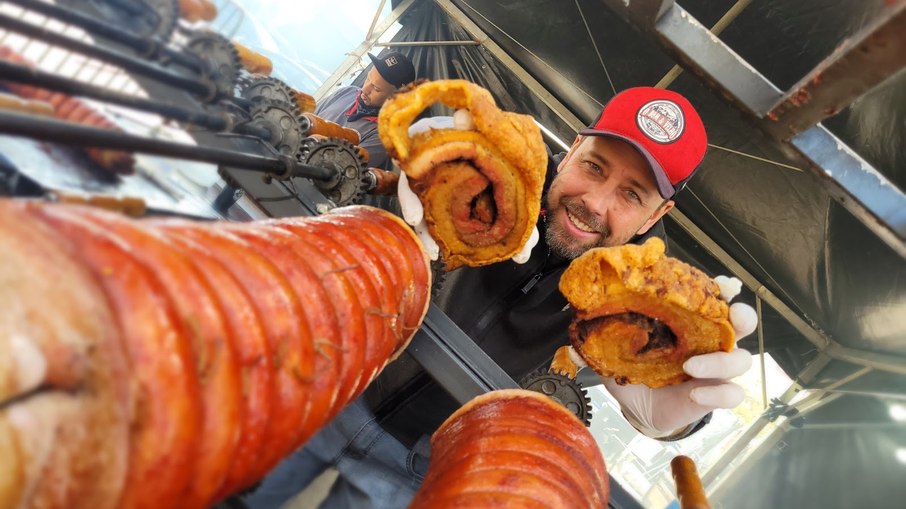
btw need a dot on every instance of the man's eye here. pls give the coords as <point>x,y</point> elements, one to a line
<point>593,166</point>
<point>634,196</point>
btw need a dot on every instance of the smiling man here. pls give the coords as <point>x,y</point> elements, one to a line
<point>622,172</point>
<point>357,108</point>
<point>614,185</point>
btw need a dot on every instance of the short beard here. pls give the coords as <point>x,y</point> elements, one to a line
<point>567,246</point>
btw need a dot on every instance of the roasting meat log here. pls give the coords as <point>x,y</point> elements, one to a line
<point>170,363</point>
<point>513,448</point>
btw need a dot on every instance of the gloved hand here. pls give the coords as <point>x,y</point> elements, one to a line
<point>414,212</point>
<point>668,411</point>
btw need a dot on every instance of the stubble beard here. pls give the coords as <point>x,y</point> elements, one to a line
<point>564,244</point>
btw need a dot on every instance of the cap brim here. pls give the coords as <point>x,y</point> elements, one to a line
<point>663,183</point>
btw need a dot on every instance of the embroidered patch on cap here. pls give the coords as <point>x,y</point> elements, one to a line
<point>661,120</point>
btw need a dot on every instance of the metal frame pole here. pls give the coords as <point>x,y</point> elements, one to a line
<point>356,55</point>
<point>831,86</point>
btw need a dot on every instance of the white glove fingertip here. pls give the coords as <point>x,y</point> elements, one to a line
<point>720,365</point>
<point>727,395</point>
<point>576,358</point>
<point>431,247</point>
<point>463,121</point>
<point>526,253</point>
<point>729,287</point>
<point>426,124</point>
<point>743,318</point>
<point>413,211</point>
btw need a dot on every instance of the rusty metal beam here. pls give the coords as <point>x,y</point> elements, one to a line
<point>701,52</point>
<point>855,67</point>
<point>849,179</point>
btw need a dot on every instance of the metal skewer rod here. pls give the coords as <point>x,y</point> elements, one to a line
<point>144,46</point>
<point>30,76</point>
<point>57,131</point>
<point>127,63</point>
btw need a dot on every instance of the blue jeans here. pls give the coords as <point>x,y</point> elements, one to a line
<point>375,470</point>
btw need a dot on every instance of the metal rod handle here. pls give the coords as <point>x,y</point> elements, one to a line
<point>126,62</point>
<point>68,133</point>
<point>36,77</point>
<point>144,46</point>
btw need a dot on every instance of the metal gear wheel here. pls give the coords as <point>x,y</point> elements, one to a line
<point>284,122</point>
<point>221,60</point>
<point>349,184</point>
<point>564,390</point>
<point>167,16</point>
<point>264,87</point>
<point>438,277</point>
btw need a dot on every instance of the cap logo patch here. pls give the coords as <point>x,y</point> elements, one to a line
<point>391,61</point>
<point>661,120</point>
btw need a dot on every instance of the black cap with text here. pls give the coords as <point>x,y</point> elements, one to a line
<point>394,67</point>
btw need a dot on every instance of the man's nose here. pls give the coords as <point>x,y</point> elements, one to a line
<point>599,201</point>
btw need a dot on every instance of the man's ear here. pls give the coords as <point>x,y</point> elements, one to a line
<point>569,153</point>
<point>656,216</point>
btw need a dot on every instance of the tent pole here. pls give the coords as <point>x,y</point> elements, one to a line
<point>355,56</point>
<point>377,16</point>
<point>537,88</point>
<point>428,43</point>
<point>760,330</point>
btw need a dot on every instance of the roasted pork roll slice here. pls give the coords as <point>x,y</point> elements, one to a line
<point>513,448</point>
<point>481,187</point>
<point>640,314</point>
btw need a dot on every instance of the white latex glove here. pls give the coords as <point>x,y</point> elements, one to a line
<point>667,411</point>
<point>414,212</point>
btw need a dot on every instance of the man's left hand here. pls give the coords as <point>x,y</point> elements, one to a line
<point>670,411</point>
<point>412,208</point>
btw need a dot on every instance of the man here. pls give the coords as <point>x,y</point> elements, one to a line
<point>357,108</point>
<point>614,185</point>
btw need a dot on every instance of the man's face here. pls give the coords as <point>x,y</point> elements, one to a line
<point>376,90</point>
<point>603,195</point>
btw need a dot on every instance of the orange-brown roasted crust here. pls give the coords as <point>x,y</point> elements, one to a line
<point>252,61</point>
<point>604,285</point>
<point>516,448</point>
<point>481,189</point>
<point>120,364</point>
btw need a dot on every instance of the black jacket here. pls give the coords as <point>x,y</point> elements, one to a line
<point>515,313</point>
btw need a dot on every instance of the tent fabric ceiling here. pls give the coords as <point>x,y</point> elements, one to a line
<point>770,215</point>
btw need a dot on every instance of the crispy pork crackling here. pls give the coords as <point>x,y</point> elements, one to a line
<point>640,314</point>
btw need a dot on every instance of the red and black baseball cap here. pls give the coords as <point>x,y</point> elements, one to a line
<point>394,67</point>
<point>663,126</point>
